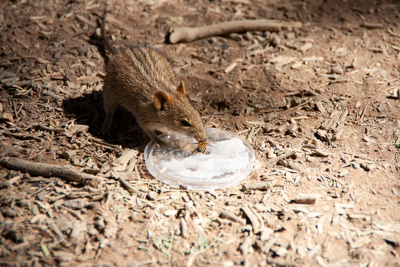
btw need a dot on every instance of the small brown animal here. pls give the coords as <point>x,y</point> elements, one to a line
<point>142,81</point>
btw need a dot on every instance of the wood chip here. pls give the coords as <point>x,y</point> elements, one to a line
<point>306,47</point>
<point>230,67</point>
<point>255,219</point>
<point>337,70</point>
<point>246,245</point>
<point>304,198</point>
<point>170,213</point>
<point>320,107</point>
<point>299,208</point>
<point>231,216</point>
<point>257,186</point>
<point>280,61</point>
<point>86,21</point>
<point>7,117</point>
<point>184,228</point>
<point>128,157</point>
<point>369,25</point>
<point>281,157</point>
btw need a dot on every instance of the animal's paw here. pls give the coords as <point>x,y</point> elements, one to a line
<point>105,130</point>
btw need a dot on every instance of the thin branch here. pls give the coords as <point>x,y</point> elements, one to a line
<point>50,170</point>
<point>188,34</point>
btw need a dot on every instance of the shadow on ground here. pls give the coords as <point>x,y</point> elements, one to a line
<point>88,110</point>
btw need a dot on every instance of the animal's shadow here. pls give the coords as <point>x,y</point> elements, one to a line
<point>88,110</point>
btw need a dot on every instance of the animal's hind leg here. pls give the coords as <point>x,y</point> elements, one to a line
<point>109,106</point>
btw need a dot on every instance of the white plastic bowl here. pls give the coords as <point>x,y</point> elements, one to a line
<point>228,160</point>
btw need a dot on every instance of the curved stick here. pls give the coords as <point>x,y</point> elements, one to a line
<point>47,170</point>
<point>188,34</point>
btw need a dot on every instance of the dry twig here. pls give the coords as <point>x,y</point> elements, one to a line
<point>127,186</point>
<point>48,170</point>
<point>188,34</point>
<point>281,157</point>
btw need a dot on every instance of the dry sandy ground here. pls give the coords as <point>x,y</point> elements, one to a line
<point>323,98</point>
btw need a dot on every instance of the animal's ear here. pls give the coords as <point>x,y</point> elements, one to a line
<point>181,89</point>
<point>161,100</point>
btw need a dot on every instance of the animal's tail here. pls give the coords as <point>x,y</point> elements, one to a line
<point>103,33</point>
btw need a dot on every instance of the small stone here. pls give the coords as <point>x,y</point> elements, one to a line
<point>41,196</point>
<point>25,203</point>
<point>275,41</point>
<point>75,203</point>
<point>271,154</point>
<point>337,70</point>
<point>77,128</point>
<point>343,173</point>
<point>7,117</point>
<point>279,251</point>
<point>68,154</point>
<point>266,234</point>
<point>94,205</point>
<point>367,167</point>
<point>104,243</point>
<point>381,107</point>
<point>152,196</point>
<point>110,232</point>
<point>169,213</point>
<point>322,135</point>
<point>395,192</point>
<point>356,166</point>
<point>320,107</point>
<point>290,35</point>
<point>100,223</point>
<point>92,231</point>
<point>268,128</point>
<point>4,184</point>
<point>98,32</point>
<point>10,213</point>
<point>305,47</point>
<point>78,228</point>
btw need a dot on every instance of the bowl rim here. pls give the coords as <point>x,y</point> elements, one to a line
<point>202,183</point>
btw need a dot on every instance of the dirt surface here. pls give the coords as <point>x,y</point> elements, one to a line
<point>320,105</point>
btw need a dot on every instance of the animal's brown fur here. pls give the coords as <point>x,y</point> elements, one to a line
<point>141,80</point>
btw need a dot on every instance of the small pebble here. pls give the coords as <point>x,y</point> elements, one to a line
<point>381,107</point>
<point>344,173</point>
<point>94,205</point>
<point>337,70</point>
<point>152,195</point>
<point>75,203</point>
<point>169,213</point>
<point>10,213</point>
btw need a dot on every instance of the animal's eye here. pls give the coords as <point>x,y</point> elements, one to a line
<point>185,123</point>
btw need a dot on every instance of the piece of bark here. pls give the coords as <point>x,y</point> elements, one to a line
<point>369,25</point>
<point>184,228</point>
<point>257,186</point>
<point>255,219</point>
<point>305,198</point>
<point>125,184</point>
<point>281,157</point>
<point>231,216</point>
<point>245,247</point>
